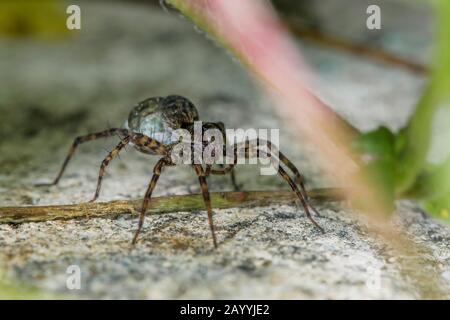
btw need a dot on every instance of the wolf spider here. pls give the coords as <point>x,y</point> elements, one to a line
<point>148,128</point>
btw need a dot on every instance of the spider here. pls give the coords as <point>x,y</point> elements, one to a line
<point>148,128</point>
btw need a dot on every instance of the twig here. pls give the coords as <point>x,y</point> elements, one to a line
<point>372,53</point>
<point>158,205</point>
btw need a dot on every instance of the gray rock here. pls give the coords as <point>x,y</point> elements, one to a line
<point>51,92</point>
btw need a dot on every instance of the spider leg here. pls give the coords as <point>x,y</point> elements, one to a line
<point>148,194</point>
<point>146,142</point>
<point>294,188</point>
<point>206,198</point>
<point>298,176</point>
<point>223,171</point>
<point>105,163</point>
<point>236,186</point>
<point>207,170</point>
<point>280,156</point>
<point>82,139</point>
<point>301,194</point>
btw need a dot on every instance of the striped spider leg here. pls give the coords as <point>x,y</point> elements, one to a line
<point>251,148</point>
<point>86,138</point>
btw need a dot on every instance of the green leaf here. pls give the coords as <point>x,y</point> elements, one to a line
<point>417,135</point>
<point>439,208</point>
<point>377,150</point>
<point>377,143</point>
<point>381,174</point>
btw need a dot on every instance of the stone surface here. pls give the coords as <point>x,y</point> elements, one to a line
<point>52,91</point>
<point>271,252</point>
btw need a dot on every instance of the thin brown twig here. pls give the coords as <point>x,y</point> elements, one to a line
<point>158,205</point>
<point>376,54</point>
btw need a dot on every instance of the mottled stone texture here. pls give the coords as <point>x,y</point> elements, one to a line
<point>52,91</point>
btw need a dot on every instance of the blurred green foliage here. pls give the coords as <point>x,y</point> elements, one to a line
<point>379,155</point>
<point>13,290</point>
<point>45,19</point>
<point>42,18</point>
<point>401,162</point>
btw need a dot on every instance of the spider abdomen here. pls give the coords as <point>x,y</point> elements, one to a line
<point>158,117</point>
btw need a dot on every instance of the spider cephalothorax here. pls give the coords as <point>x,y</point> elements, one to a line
<point>150,127</point>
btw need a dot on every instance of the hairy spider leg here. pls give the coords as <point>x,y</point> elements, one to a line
<point>148,194</point>
<point>136,138</point>
<point>105,163</point>
<point>301,195</point>
<point>233,180</point>
<point>222,171</point>
<point>207,170</point>
<point>81,139</point>
<point>206,198</point>
<point>274,151</point>
<point>286,177</point>
<point>298,176</point>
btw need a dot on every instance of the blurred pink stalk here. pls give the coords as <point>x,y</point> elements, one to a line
<point>251,28</point>
<point>252,31</point>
